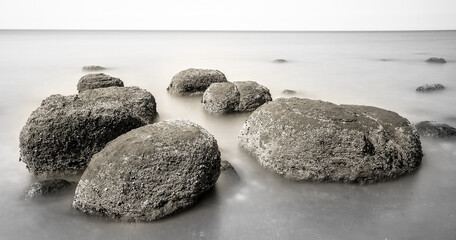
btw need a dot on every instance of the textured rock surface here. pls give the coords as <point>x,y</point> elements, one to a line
<point>252,95</point>
<point>304,139</point>
<point>92,68</point>
<point>61,136</point>
<point>430,87</point>
<point>150,172</point>
<point>434,129</point>
<point>98,80</point>
<point>194,81</point>
<point>436,60</point>
<point>221,98</point>
<point>47,187</point>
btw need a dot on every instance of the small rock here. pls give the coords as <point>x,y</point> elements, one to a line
<point>98,80</point>
<point>221,98</point>
<point>430,87</point>
<point>92,68</point>
<point>303,139</point>
<point>436,60</point>
<point>150,172</point>
<point>289,92</point>
<point>47,187</point>
<point>280,60</point>
<point>226,166</point>
<point>436,130</point>
<point>194,81</point>
<point>61,136</point>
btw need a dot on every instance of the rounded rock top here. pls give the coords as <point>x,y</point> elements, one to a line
<point>303,139</point>
<point>98,80</point>
<point>194,81</point>
<point>150,172</point>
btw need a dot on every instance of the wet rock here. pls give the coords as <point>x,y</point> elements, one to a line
<point>436,60</point>
<point>61,136</point>
<point>235,97</point>
<point>304,139</point>
<point>435,129</point>
<point>289,92</point>
<point>430,87</point>
<point>47,187</point>
<point>280,60</point>
<point>226,166</point>
<point>194,81</point>
<point>150,172</point>
<point>252,95</point>
<point>221,98</point>
<point>98,80</point>
<point>93,68</point>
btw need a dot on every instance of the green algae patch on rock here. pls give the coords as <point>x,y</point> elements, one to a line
<point>61,135</point>
<point>312,140</point>
<point>150,172</point>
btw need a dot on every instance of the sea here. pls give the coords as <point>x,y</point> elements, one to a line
<point>380,69</point>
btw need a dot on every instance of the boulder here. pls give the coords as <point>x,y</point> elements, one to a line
<point>304,139</point>
<point>221,98</point>
<point>252,95</point>
<point>93,68</point>
<point>430,87</point>
<point>235,97</point>
<point>60,137</point>
<point>98,80</point>
<point>149,172</point>
<point>436,60</point>
<point>46,188</point>
<point>194,81</point>
<point>435,129</point>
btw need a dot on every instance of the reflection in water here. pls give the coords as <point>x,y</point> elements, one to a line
<point>256,203</point>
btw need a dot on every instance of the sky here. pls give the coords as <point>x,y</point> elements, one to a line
<point>285,15</point>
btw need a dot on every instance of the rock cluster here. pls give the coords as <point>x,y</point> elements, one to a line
<point>98,80</point>
<point>60,137</point>
<point>150,172</point>
<point>228,97</point>
<point>304,139</point>
<point>430,87</point>
<point>435,129</point>
<point>194,81</point>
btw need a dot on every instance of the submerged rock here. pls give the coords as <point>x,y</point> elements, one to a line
<point>289,92</point>
<point>235,97</point>
<point>436,60</point>
<point>61,136</point>
<point>430,87</point>
<point>226,166</point>
<point>150,172</point>
<point>280,60</point>
<point>304,139</point>
<point>47,187</point>
<point>252,95</point>
<point>221,98</point>
<point>98,80</point>
<point>194,81</point>
<point>92,68</point>
<point>435,129</point>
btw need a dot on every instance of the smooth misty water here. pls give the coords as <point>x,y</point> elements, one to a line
<point>380,69</point>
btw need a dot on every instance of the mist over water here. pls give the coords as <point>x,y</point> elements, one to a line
<point>369,68</point>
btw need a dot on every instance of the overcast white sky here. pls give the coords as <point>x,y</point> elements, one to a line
<point>229,14</point>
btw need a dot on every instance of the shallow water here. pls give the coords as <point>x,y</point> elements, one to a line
<point>370,68</point>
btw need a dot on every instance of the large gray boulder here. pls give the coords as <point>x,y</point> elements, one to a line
<point>61,136</point>
<point>235,97</point>
<point>194,81</point>
<point>98,80</point>
<point>304,139</point>
<point>221,98</point>
<point>150,172</point>
<point>252,95</point>
<point>435,129</point>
